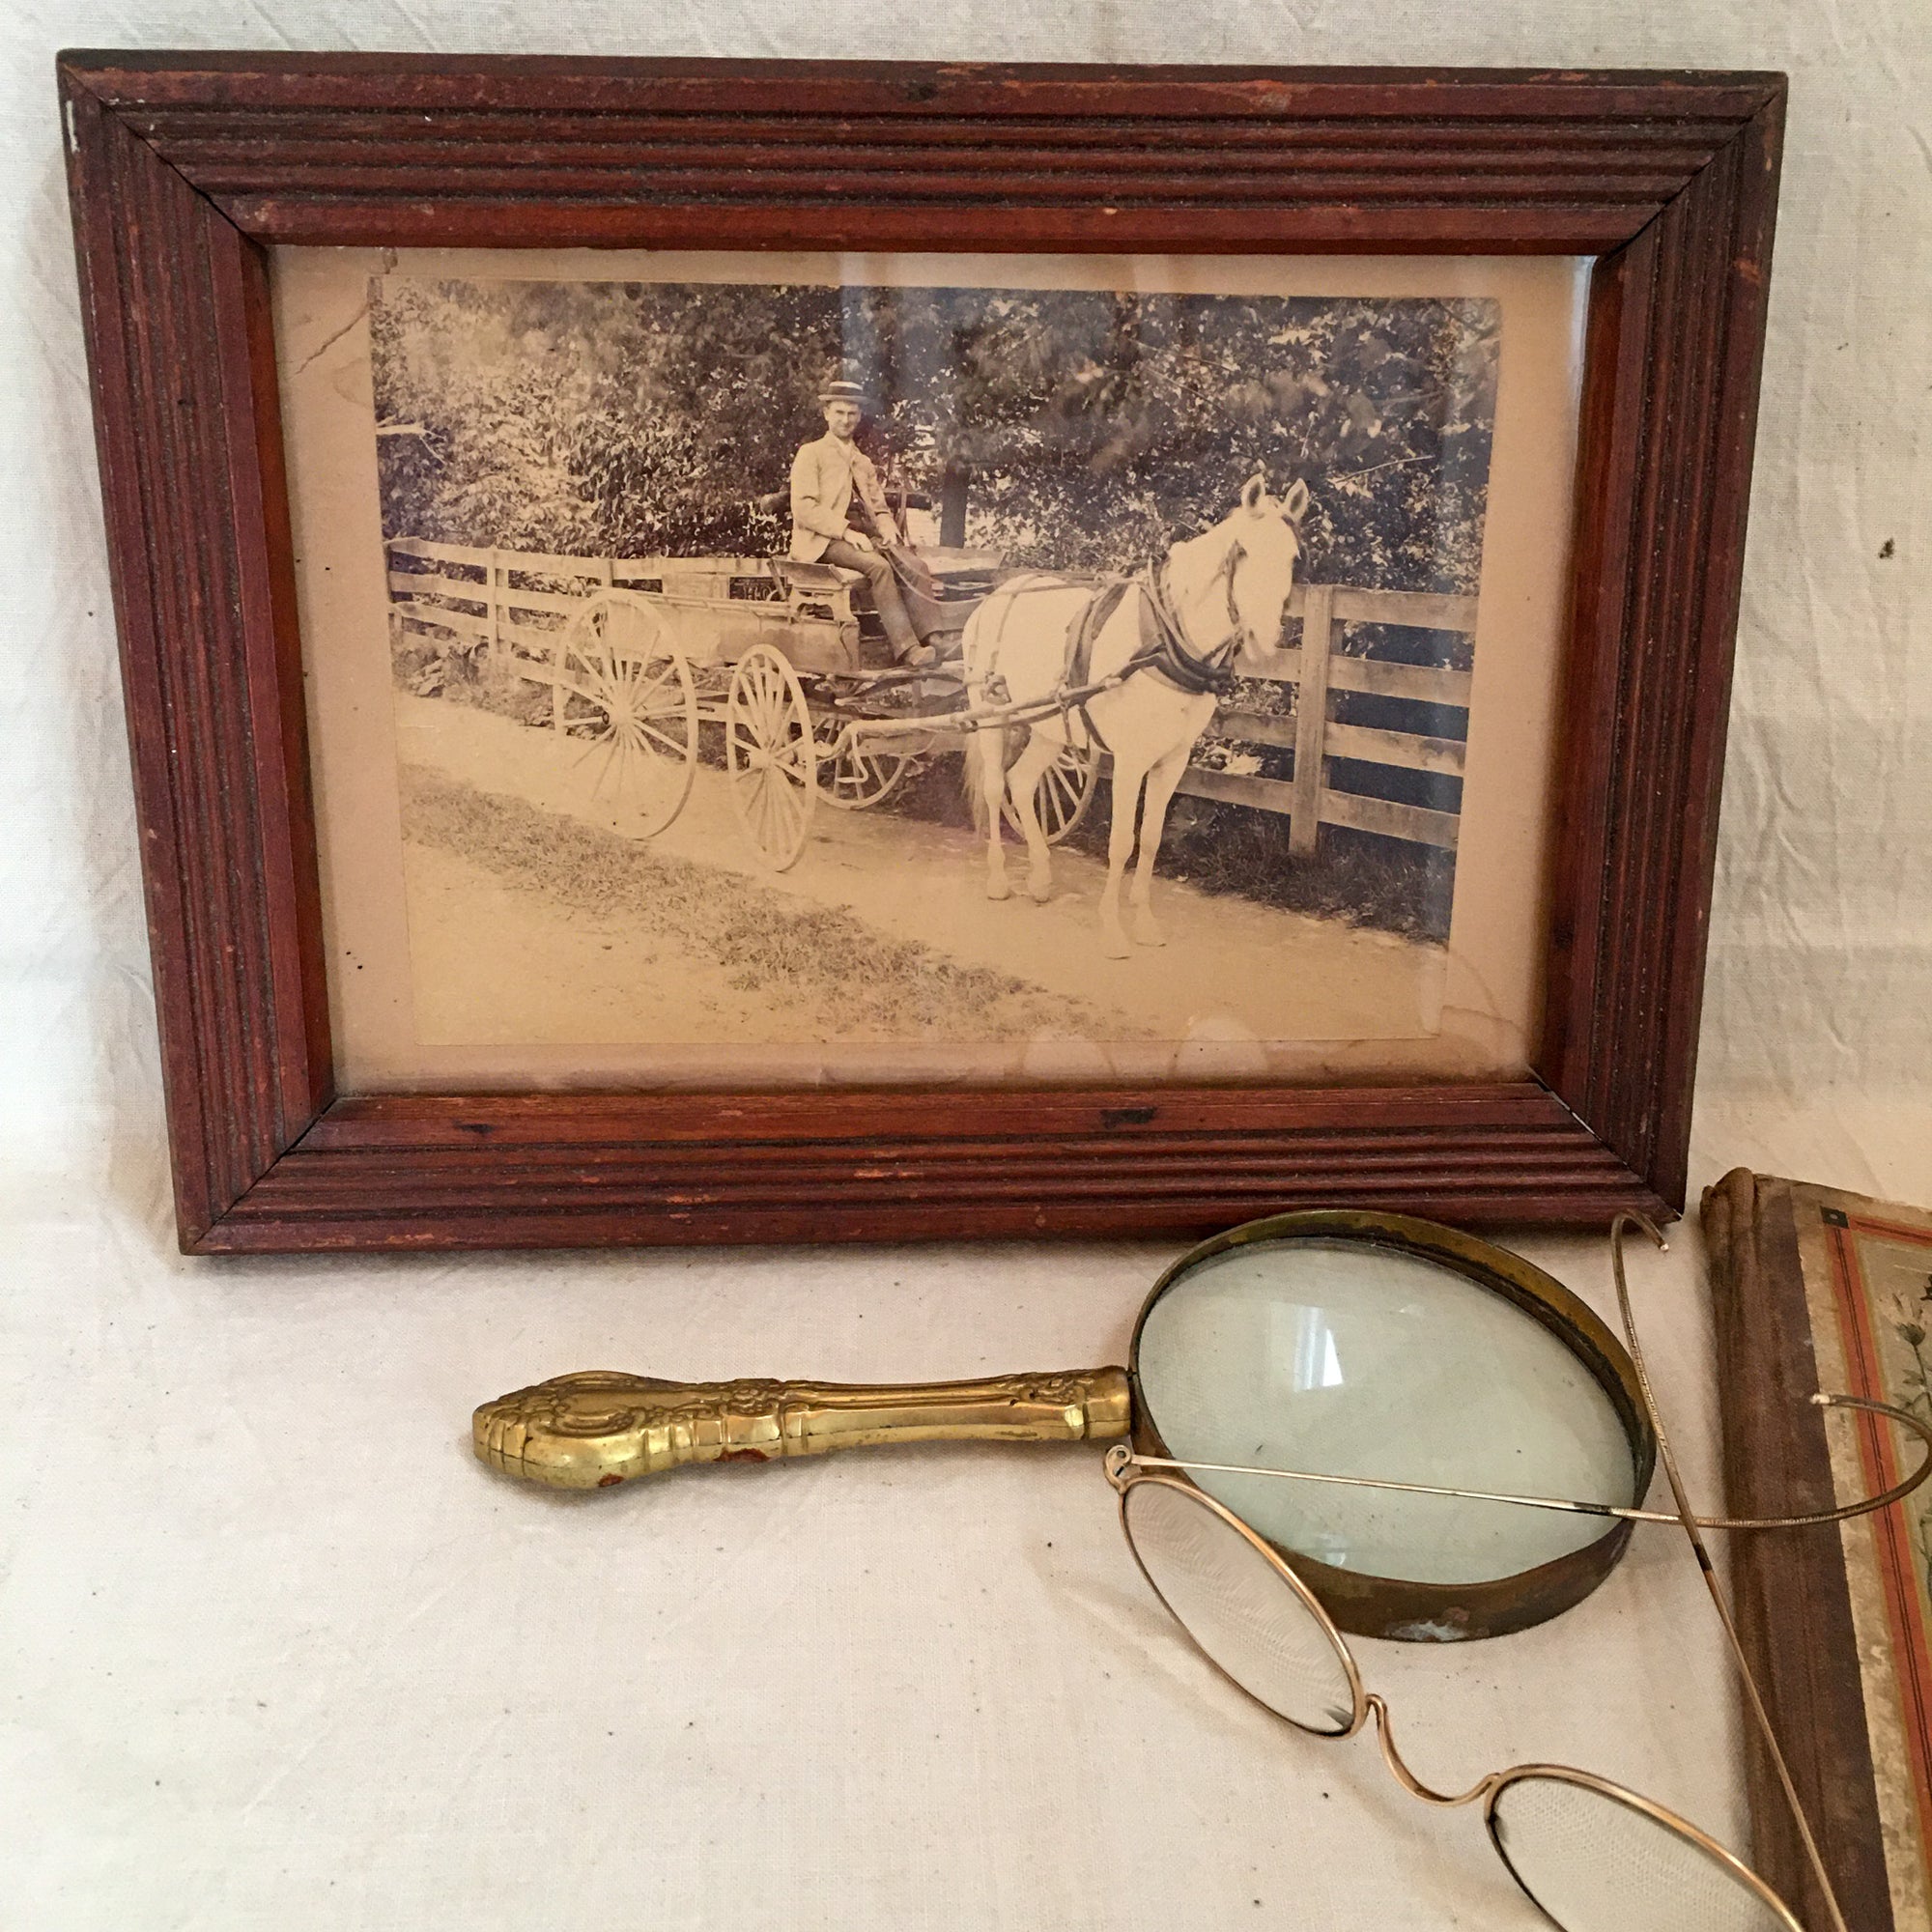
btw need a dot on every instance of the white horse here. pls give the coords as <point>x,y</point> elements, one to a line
<point>1218,595</point>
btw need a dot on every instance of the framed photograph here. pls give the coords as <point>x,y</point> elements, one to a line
<point>727,651</point>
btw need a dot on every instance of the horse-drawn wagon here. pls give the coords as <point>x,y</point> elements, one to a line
<point>799,677</point>
<point>1039,673</point>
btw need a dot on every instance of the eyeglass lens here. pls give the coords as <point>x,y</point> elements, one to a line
<point>1595,1863</point>
<point>1238,1608</point>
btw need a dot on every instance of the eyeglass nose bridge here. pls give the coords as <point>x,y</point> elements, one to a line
<point>1378,1708</point>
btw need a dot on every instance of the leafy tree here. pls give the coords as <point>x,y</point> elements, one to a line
<point>1090,428</point>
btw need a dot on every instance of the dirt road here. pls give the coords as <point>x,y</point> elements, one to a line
<point>913,897</point>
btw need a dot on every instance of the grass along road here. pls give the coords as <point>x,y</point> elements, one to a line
<point>820,971</point>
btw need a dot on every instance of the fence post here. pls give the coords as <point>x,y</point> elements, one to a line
<point>1311,717</point>
<point>494,579</point>
<point>557,696</point>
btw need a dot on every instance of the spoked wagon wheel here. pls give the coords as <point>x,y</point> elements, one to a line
<point>768,746</point>
<point>1065,791</point>
<point>625,696</point>
<point>868,772</point>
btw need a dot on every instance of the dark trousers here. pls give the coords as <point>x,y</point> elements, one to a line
<point>884,586</point>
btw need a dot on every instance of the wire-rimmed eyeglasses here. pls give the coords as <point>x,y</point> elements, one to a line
<point>1592,1855</point>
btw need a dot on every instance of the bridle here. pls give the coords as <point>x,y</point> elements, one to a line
<point>1174,656</point>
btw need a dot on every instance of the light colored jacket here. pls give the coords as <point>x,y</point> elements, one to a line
<point>824,474</point>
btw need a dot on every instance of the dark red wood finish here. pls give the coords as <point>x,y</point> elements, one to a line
<point>1790,1589</point>
<point>184,168</point>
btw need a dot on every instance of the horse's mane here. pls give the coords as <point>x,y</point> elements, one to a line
<point>1194,563</point>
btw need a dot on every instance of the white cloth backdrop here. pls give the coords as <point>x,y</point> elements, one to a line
<point>275,1652</point>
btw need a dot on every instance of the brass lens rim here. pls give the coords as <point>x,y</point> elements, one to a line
<point>1270,1554</point>
<point>1398,1608</point>
<point>1733,1867</point>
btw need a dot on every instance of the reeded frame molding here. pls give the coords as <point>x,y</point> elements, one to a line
<point>184,168</point>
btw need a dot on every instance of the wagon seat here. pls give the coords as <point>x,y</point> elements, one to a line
<point>941,586</point>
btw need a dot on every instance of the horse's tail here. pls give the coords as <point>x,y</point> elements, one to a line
<point>979,648</point>
<point>982,750</point>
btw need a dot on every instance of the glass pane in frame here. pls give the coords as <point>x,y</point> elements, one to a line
<point>542,864</point>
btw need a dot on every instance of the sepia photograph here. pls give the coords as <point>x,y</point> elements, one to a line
<point>990,678</point>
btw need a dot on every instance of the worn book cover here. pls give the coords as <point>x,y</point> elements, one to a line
<point>1817,1290</point>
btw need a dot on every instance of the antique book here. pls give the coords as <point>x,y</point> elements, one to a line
<point>1817,1290</point>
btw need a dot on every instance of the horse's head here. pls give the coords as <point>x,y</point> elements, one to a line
<point>1266,543</point>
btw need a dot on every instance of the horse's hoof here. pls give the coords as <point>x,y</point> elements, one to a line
<point>1040,891</point>
<point>1114,946</point>
<point>998,888</point>
<point>1149,933</point>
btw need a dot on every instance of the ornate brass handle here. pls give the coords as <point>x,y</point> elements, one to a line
<point>599,1427</point>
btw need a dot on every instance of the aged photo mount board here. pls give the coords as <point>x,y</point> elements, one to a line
<point>187,171</point>
<point>460,957</point>
<point>1818,1290</point>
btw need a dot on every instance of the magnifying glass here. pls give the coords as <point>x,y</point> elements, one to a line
<point>1360,1347</point>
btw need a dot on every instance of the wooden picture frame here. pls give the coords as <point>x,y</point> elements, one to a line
<point>185,168</point>
<point>1831,1618</point>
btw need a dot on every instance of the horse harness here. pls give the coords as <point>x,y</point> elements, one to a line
<point>1163,648</point>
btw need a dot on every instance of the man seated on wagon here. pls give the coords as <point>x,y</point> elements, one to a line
<point>827,476</point>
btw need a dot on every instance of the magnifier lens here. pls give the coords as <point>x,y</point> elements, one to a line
<point>1236,1606</point>
<point>1357,1359</point>
<point>1596,1862</point>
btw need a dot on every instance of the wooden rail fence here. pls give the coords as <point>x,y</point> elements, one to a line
<point>491,609</point>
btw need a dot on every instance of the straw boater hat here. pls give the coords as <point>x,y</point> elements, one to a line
<point>841,391</point>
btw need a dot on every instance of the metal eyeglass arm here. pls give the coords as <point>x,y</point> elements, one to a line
<point>1123,1458</point>
<point>1707,1570</point>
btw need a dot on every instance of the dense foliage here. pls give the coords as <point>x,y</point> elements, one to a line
<point>1090,428</point>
